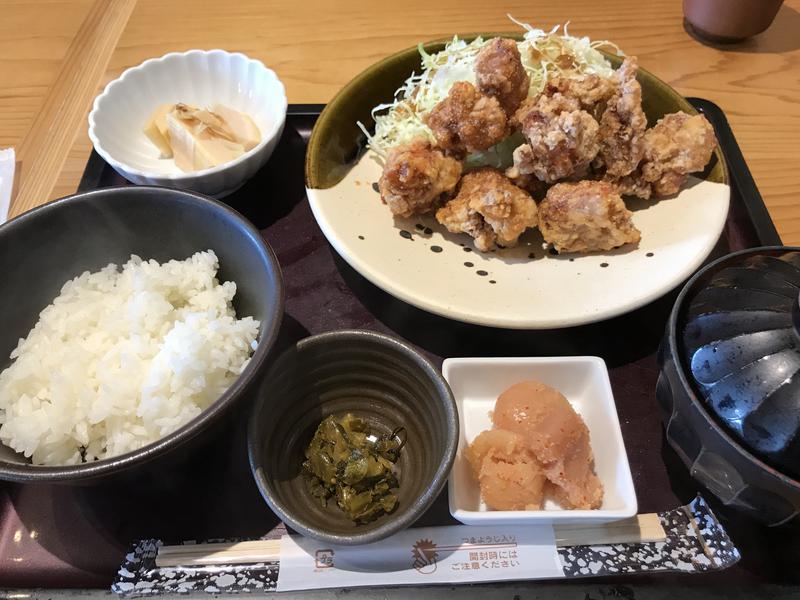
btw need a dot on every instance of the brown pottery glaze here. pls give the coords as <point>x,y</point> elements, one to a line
<point>730,20</point>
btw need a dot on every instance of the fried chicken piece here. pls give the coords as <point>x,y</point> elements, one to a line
<point>557,437</point>
<point>415,176</point>
<point>623,124</point>
<point>537,189</point>
<point>677,145</point>
<point>562,138</point>
<point>632,184</point>
<point>535,111</point>
<point>585,217</point>
<point>507,209</point>
<point>499,73</point>
<point>489,208</point>
<point>591,91</point>
<point>467,121</point>
<point>458,217</point>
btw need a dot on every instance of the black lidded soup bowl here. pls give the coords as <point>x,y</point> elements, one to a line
<point>47,246</point>
<point>729,386</point>
<point>375,377</point>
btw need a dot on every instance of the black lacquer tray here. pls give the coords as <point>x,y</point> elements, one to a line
<point>60,537</point>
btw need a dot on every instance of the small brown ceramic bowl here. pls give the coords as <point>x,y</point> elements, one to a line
<point>726,21</point>
<point>376,377</point>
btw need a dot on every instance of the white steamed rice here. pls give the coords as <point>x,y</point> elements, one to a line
<point>121,359</point>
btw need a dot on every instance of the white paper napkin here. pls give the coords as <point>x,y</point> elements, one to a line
<point>421,556</point>
<point>7,163</point>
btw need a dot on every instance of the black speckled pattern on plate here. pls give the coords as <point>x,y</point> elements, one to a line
<point>696,542</point>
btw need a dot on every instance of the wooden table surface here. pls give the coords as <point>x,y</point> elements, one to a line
<point>316,46</point>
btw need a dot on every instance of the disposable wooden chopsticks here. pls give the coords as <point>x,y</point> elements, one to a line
<point>219,554</point>
<point>46,145</point>
<point>638,529</point>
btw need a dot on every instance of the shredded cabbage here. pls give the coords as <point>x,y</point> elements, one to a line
<point>544,54</point>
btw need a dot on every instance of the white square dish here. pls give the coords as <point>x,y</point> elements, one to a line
<point>476,384</point>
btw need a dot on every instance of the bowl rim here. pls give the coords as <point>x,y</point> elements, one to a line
<point>688,387</point>
<point>414,510</point>
<point>29,473</point>
<point>179,177</point>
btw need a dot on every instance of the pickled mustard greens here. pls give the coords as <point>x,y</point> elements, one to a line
<point>349,461</point>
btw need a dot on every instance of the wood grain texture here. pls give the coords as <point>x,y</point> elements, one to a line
<point>316,46</point>
<point>31,59</point>
<point>46,145</point>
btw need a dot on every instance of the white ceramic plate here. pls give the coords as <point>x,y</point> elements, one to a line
<point>476,384</point>
<point>522,288</point>
<point>506,288</point>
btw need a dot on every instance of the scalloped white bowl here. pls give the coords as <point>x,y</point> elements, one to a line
<point>199,77</point>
